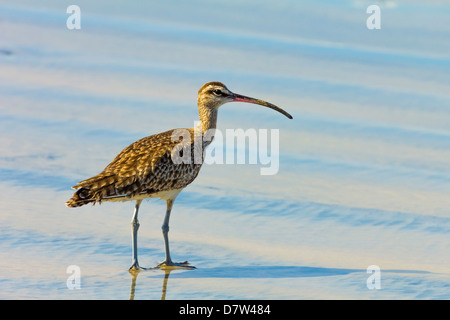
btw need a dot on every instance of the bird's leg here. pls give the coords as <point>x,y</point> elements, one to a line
<point>134,231</point>
<point>168,263</point>
<point>165,231</point>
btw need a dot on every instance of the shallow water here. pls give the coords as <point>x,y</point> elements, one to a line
<point>363,179</point>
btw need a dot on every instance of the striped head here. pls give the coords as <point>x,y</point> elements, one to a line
<point>214,94</point>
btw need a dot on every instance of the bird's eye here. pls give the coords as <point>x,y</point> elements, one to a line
<point>217,92</point>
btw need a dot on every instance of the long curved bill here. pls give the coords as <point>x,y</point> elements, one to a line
<point>237,97</point>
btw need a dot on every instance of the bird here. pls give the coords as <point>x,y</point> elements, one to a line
<point>161,166</point>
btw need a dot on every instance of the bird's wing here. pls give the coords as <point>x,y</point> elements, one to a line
<point>145,166</point>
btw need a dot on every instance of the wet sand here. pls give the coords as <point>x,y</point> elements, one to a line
<point>363,173</point>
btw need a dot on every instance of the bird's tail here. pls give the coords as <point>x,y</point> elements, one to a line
<point>92,190</point>
<point>80,198</point>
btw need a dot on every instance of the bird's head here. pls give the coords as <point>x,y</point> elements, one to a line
<point>214,94</point>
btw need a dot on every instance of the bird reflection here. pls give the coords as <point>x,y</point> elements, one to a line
<point>134,275</point>
<point>164,287</point>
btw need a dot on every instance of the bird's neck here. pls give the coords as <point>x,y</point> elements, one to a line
<point>208,117</point>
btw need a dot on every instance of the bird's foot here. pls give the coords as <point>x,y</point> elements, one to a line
<point>167,265</point>
<point>135,268</point>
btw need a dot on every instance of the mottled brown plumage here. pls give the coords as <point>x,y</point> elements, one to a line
<point>143,168</point>
<point>160,165</point>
